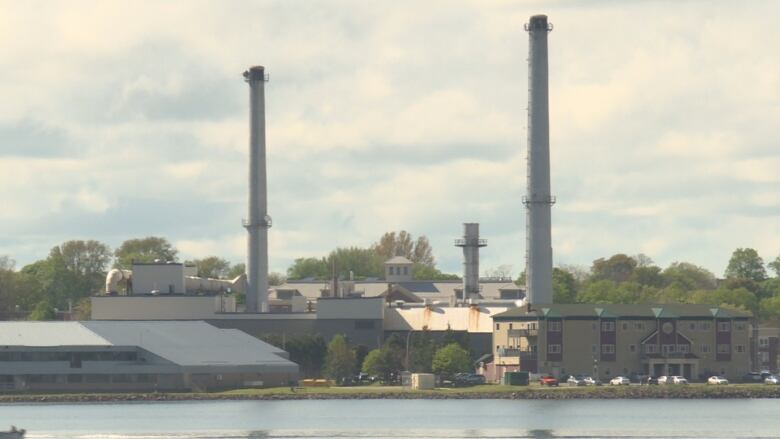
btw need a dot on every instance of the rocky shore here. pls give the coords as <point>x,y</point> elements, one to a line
<point>530,393</point>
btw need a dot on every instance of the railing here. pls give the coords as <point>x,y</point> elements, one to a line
<point>512,352</point>
<point>523,333</point>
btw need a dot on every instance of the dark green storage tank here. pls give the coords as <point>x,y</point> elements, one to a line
<point>515,378</point>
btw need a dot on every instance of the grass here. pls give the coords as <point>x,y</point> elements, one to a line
<point>533,391</point>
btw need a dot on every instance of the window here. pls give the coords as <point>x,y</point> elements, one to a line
<point>724,349</point>
<point>75,378</point>
<point>532,326</point>
<point>554,326</point>
<point>554,348</point>
<point>364,324</point>
<point>625,326</point>
<point>724,326</point>
<point>704,326</point>
<point>763,342</point>
<point>692,326</point>
<point>406,271</point>
<point>739,348</point>
<point>391,271</point>
<point>594,349</point>
<point>705,348</point>
<point>739,326</point>
<point>498,326</point>
<point>532,348</point>
<point>683,348</point>
<point>607,349</point>
<point>764,357</point>
<point>639,326</point>
<point>510,326</point>
<point>651,349</point>
<point>632,348</point>
<point>607,326</point>
<point>668,348</point>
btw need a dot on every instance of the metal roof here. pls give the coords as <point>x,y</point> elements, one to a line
<point>48,334</point>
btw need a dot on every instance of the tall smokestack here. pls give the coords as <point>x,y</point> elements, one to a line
<point>471,244</point>
<point>538,200</point>
<point>259,222</point>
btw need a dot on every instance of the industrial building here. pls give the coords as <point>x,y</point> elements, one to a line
<point>694,341</point>
<point>138,356</point>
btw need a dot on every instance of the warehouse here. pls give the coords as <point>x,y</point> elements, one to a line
<point>130,355</point>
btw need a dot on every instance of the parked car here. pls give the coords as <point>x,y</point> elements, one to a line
<point>468,379</point>
<point>575,380</point>
<point>620,381</point>
<point>752,377</point>
<point>548,380</point>
<point>649,380</point>
<point>717,380</point>
<point>772,379</point>
<point>590,381</point>
<point>663,379</point>
<point>676,379</point>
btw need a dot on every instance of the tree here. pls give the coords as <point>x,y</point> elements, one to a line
<point>43,311</point>
<point>688,277</point>
<point>211,266</point>
<point>745,263</point>
<point>303,268</point>
<point>649,275</point>
<point>276,279</point>
<point>775,266</point>
<point>425,272</point>
<point>451,359</point>
<point>339,360</point>
<point>144,250</point>
<point>85,257</point>
<point>617,268</point>
<point>402,244</point>
<point>564,286</point>
<point>383,362</point>
<point>307,350</point>
<point>236,270</point>
<point>739,297</point>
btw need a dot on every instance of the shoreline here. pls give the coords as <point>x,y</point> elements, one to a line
<point>481,392</point>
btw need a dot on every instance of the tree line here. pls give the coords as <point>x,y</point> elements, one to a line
<point>338,360</point>
<point>745,285</point>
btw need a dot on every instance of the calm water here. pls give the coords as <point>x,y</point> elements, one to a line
<point>400,419</point>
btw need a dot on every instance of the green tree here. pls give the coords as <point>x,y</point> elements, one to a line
<point>745,263</point>
<point>617,268</point>
<point>339,360</point>
<point>307,350</point>
<point>384,362</point>
<point>144,250</point>
<point>43,311</point>
<point>303,268</point>
<point>739,297</point>
<point>649,275</point>
<point>236,270</point>
<point>564,286</point>
<point>425,272</point>
<point>211,266</point>
<point>775,266</point>
<point>451,359</point>
<point>688,277</point>
<point>276,279</point>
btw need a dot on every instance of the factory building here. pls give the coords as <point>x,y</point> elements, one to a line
<point>137,356</point>
<point>695,341</point>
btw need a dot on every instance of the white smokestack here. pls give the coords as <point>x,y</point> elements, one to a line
<point>538,200</point>
<point>259,222</point>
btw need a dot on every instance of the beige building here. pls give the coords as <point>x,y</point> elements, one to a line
<point>695,341</point>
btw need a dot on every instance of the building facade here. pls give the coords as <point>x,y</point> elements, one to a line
<point>694,341</point>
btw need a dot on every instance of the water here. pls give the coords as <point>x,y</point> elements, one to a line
<point>419,419</point>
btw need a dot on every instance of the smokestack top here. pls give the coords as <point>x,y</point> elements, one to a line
<point>538,22</point>
<point>255,73</point>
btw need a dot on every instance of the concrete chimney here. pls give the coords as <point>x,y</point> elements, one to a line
<point>470,244</point>
<point>538,200</point>
<point>259,222</point>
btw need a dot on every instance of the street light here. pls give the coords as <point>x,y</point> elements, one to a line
<point>408,337</point>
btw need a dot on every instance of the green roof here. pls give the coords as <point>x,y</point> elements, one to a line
<point>595,311</point>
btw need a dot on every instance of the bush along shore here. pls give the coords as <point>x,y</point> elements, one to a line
<point>693,391</point>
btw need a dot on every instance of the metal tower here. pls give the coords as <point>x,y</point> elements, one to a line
<point>538,199</point>
<point>259,222</point>
<point>470,244</point>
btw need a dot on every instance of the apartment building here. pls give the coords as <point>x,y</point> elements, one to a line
<point>609,340</point>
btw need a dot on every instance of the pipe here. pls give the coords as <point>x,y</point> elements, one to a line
<point>113,277</point>
<point>191,283</point>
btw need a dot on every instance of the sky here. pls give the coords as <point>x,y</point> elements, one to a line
<point>122,120</point>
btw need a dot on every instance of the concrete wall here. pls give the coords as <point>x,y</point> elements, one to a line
<point>165,278</point>
<point>157,307</point>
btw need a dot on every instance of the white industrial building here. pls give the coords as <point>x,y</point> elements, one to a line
<point>133,355</point>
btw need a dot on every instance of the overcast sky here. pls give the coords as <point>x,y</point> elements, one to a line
<point>124,120</point>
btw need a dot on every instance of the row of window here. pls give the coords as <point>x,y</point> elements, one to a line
<point>69,356</point>
<point>654,349</point>
<point>609,326</point>
<point>393,271</point>
<point>83,378</point>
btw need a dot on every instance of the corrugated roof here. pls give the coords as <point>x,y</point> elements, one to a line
<point>420,286</point>
<point>667,310</point>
